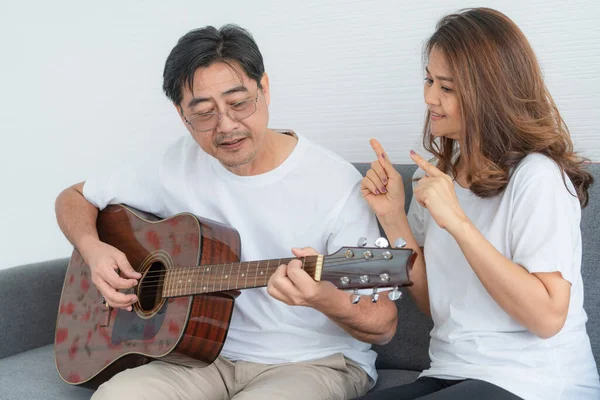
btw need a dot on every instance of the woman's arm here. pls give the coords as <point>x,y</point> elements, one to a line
<point>538,301</point>
<point>383,189</point>
<point>397,227</point>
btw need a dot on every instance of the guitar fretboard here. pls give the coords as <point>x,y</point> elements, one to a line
<point>188,281</point>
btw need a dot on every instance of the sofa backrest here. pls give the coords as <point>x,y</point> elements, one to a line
<point>590,268</point>
<point>409,347</point>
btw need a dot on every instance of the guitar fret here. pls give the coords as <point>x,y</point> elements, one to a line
<point>176,278</point>
<point>267,274</point>
<point>229,280</point>
<point>181,281</point>
<point>223,275</point>
<point>178,282</point>
<point>237,278</point>
<point>202,289</point>
<point>219,275</point>
<point>168,282</point>
<point>205,284</point>
<point>188,281</point>
<point>197,270</point>
<point>173,280</point>
<point>165,283</point>
<point>171,287</point>
<point>247,269</point>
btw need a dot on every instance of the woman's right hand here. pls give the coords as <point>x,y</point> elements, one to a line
<point>111,271</point>
<point>382,186</point>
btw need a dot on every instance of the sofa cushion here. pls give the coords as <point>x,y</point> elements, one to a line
<point>29,295</point>
<point>394,377</point>
<point>32,375</point>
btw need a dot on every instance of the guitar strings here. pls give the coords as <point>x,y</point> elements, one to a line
<point>195,269</point>
<point>334,261</point>
<point>215,279</point>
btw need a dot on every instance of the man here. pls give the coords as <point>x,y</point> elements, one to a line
<point>297,339</point>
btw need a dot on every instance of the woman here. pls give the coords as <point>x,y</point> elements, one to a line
<point>498,221</point>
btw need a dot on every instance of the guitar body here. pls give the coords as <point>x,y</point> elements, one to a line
<point>94,342</point>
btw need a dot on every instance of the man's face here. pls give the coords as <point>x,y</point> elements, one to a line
<point>220,88</point>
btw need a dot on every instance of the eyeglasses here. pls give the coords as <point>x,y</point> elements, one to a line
<point>236,112</point>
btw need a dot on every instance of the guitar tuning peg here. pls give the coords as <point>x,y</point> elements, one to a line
<point>395,294</point>
<point>362,242</point>
<point>399,243</point>
<point>382,243</point>
<point>374,296</point>
<point>355,297</point>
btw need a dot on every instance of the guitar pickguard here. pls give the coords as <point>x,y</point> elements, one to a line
<point>129,326</point>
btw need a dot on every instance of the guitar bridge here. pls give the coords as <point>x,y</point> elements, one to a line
<point>106,311</point>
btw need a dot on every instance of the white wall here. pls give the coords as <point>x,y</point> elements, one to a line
<point>81,84</point>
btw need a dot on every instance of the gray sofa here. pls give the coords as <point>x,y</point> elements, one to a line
<point>29,296</point>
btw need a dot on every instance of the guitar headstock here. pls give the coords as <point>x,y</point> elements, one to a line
<point>368,267</point>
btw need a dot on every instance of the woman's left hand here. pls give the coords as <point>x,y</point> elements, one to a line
<point>435,191</point>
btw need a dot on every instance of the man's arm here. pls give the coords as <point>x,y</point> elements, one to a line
<point>76,216</point>
<point>77,219</point>
<point>366,321</point>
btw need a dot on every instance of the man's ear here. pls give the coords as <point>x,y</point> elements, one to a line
<point>180,112</point>
<point>264,82</point>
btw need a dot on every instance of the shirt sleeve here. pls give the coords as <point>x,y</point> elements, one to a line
<point>354,219</point>
<point>416,213</point>
<point>544,233</point>
<point>134,182</point>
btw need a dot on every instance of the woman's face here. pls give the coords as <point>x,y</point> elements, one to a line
<point>441,98</point>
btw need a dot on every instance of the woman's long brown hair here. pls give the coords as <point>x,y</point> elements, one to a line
<point>507,111</point>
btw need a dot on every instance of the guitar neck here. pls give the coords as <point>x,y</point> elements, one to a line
<point>190,281</point>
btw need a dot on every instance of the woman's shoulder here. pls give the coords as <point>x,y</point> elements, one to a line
<point>536,166</point>
<point>539,174</point>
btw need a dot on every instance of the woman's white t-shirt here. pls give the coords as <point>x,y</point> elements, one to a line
<point>534,223</point>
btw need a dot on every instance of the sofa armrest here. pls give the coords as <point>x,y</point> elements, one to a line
<point>29,298</point>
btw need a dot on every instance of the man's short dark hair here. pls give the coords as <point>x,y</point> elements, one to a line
<point>204,46</point>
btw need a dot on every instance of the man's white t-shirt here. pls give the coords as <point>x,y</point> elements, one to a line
<point>311,199</point>
<point>534,223</point>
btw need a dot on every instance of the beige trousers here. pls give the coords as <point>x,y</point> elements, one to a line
<point>329,378</point>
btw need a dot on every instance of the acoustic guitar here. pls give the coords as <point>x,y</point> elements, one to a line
<point>191,275</point>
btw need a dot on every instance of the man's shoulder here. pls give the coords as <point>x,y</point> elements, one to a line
<point>183,143</point>
<point>181,151</point>
<point>332,165</point>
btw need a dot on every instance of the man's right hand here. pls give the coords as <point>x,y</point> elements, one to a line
<point>110,271</point>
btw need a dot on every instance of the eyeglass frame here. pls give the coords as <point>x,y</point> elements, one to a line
<point>218,114</point>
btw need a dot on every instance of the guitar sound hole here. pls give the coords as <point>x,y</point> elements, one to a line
<point>150,293</point>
